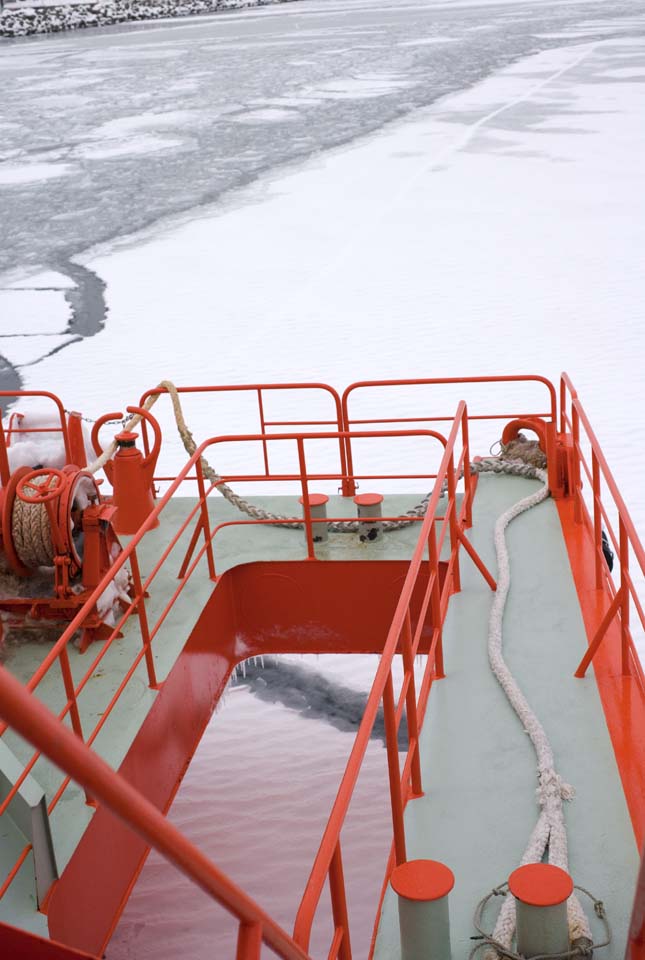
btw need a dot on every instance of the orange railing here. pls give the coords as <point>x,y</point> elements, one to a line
<point>259,392</point>
<point>597,511</point>
<point>549,415</point>
<point>58,655</point>
<point>406,636</point>
<point>625,540</point>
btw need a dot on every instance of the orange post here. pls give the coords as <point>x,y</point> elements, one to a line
<point>339,905</point>
<point>391,743</point>
<point>411,706</point>
<point>76,439</point>
<point>139,594</point>
<point>597,521</point>
<point>625,636</point>
<point>204,521</point>
<point>435,602</point>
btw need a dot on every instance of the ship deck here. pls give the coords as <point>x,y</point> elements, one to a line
<point>478,765</point>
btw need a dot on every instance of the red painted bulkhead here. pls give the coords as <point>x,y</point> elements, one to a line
<point>256,608</point>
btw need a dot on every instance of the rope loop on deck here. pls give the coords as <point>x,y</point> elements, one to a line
<point>582,947</point>
<point>549,835</point>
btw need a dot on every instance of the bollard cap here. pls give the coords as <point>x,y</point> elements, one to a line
<point>540,884</point>
<point>315,499</point>
<point>368,499</point>
<point>422,880</point>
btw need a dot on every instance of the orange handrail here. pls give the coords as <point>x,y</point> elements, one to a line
<point>550,416</point>
<point>259,389</point>
<point>625,541</point>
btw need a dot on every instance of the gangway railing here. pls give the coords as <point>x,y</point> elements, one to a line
<point>72,689</point>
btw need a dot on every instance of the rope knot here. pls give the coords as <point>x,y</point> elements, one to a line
<point>552,787</point>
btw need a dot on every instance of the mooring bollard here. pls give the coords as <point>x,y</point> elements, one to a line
<point>422,887</point>
<point>541,892</point>
<point>369,510</point>
<point>318,510</point>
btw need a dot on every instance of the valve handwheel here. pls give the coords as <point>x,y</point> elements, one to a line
<point>30,492</point>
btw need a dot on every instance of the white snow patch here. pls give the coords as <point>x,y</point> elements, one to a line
<point>427,41</point>
<point>122,126</point>
<point>28,447</point>
<point>358,88</point>
<point>626,73</point>
<point>127,146</point>
<point>64,100</point>
<point>268,115</point>
<point>42,280</point>
<point>131,52</point>
<point>30,349</point>
<point>13,174</point>
<point>33,311</point>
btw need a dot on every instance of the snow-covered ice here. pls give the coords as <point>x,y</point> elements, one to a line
<point>25,312</point>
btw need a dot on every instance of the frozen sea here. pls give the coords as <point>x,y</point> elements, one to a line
<point>324,191</point>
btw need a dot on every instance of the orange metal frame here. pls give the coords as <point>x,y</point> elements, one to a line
<point>260,390</point>
<point>605,607</point>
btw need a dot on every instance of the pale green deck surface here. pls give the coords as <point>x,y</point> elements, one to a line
<point>232,546</point>
<point>478,764</point>
<point>479,772</point>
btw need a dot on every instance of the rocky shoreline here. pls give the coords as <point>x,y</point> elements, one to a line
<point>30,20</point>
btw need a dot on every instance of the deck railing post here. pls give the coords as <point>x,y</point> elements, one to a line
<point>451,509</point>
<point>577,484</point>
<point>623,543</point>
<point>435,603</point>
<point>265,450</point>
<point>392,746</point>
<point>74,714</point>
<point>339,902</point>
<point>468,477</point>
<point>597,520</point>
<point>143,620</point>
<point>204,519</point>
<point>411,706</point>
<point>306,506</point>
<point>249,941</point>
<point>70,693</point>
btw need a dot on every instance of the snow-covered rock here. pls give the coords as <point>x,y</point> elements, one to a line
<point>22,21</point>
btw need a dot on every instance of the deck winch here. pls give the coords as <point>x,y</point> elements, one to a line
<point>57,536</point>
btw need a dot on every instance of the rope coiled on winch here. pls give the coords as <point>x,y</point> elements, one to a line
<point>31,531</point>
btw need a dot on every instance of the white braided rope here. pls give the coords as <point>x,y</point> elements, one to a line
<point>550,829</point>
